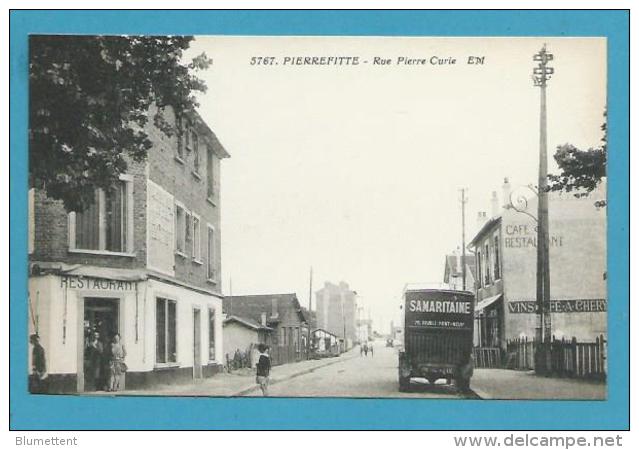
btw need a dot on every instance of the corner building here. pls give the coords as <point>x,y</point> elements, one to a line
<point>142,261</point>
<point>506,265</point>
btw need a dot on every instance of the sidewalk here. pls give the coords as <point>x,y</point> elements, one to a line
<point>238,383</point>
<point>525,385</point>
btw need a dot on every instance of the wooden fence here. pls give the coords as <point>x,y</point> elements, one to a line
<point>286,354</point>
<point>520,354</point>
<point>559,357</point>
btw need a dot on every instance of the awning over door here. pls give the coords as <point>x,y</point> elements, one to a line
<point>84,270</point>
<point>487,302</point>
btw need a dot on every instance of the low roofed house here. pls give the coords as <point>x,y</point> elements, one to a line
<point>241,337</point>
<point>325,343</point>
<point>280,312</point>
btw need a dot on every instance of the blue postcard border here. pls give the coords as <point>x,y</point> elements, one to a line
<point>29,412</point>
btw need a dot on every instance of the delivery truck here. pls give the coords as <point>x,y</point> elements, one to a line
<point>437,337</point>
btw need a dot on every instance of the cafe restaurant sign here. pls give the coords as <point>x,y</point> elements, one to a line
<point>559,306</point>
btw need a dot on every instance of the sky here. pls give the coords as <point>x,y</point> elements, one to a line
<point>356,170</point>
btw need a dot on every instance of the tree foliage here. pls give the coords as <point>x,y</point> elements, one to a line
<point>581,170</point>
<point>89,103</point>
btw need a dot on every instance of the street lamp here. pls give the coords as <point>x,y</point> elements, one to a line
<point>541,75</point>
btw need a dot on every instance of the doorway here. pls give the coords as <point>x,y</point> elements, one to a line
<point>101,322</point>
<point>197,344</point>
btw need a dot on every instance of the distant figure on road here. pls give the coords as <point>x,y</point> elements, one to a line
<point>263,369</point>
<point>370,348</point>
<point>365,349</point>
<point>361,349</point>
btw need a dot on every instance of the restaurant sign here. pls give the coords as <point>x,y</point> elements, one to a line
<point>102,284</point>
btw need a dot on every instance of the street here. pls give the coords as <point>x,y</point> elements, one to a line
<point>364,376</point>
<point>352,375</point>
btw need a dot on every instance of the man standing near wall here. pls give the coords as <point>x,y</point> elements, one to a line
<point>37,380</point>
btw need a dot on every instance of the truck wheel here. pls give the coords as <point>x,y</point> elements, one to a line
<point>404,384</point>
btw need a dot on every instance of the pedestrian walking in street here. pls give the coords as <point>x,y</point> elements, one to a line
<point>370,349</point>
<point>365,349</point>
<point>263,369</point>
<point>38,377</point>
<point>117,366</point>
<point>361,349</point>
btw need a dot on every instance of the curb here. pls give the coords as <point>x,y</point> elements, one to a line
<point>481,393</point>
<point>255,387</point>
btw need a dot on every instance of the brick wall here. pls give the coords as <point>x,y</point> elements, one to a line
<point>180,179</point>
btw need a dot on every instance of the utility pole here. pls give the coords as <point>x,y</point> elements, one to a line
<point>343,318</point>
<point>230,295</point>
<point>310,306</point>
<point>464,200</point>
<point>541,75</point>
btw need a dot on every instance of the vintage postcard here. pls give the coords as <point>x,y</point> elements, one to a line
<point>378,163</point>
<point>379,217</point>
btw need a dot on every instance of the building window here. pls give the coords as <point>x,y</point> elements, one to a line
<point>196,153</point>
<point>188,229</point>
<point>480,272</point>
<point>497,268</point>
<point>181,229</point>
<point>210,175</point>
<point>197,250</point>
<point>487,264</point>
<point>165,321</point>
<point>106,224</point>
<point>187,135</point>
<point>115,202</point>
<point>211,334</point>
<point>210,254</point>
<point>191,138</point>
<point>182,136</point>
<point>283,336</point>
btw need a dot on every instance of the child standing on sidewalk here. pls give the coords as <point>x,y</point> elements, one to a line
<point>263,369</point>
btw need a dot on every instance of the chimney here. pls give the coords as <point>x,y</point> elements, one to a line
<point>506,190</point>
<point>481,219</point>
<point>263,321</point>
<point>494,203</point>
